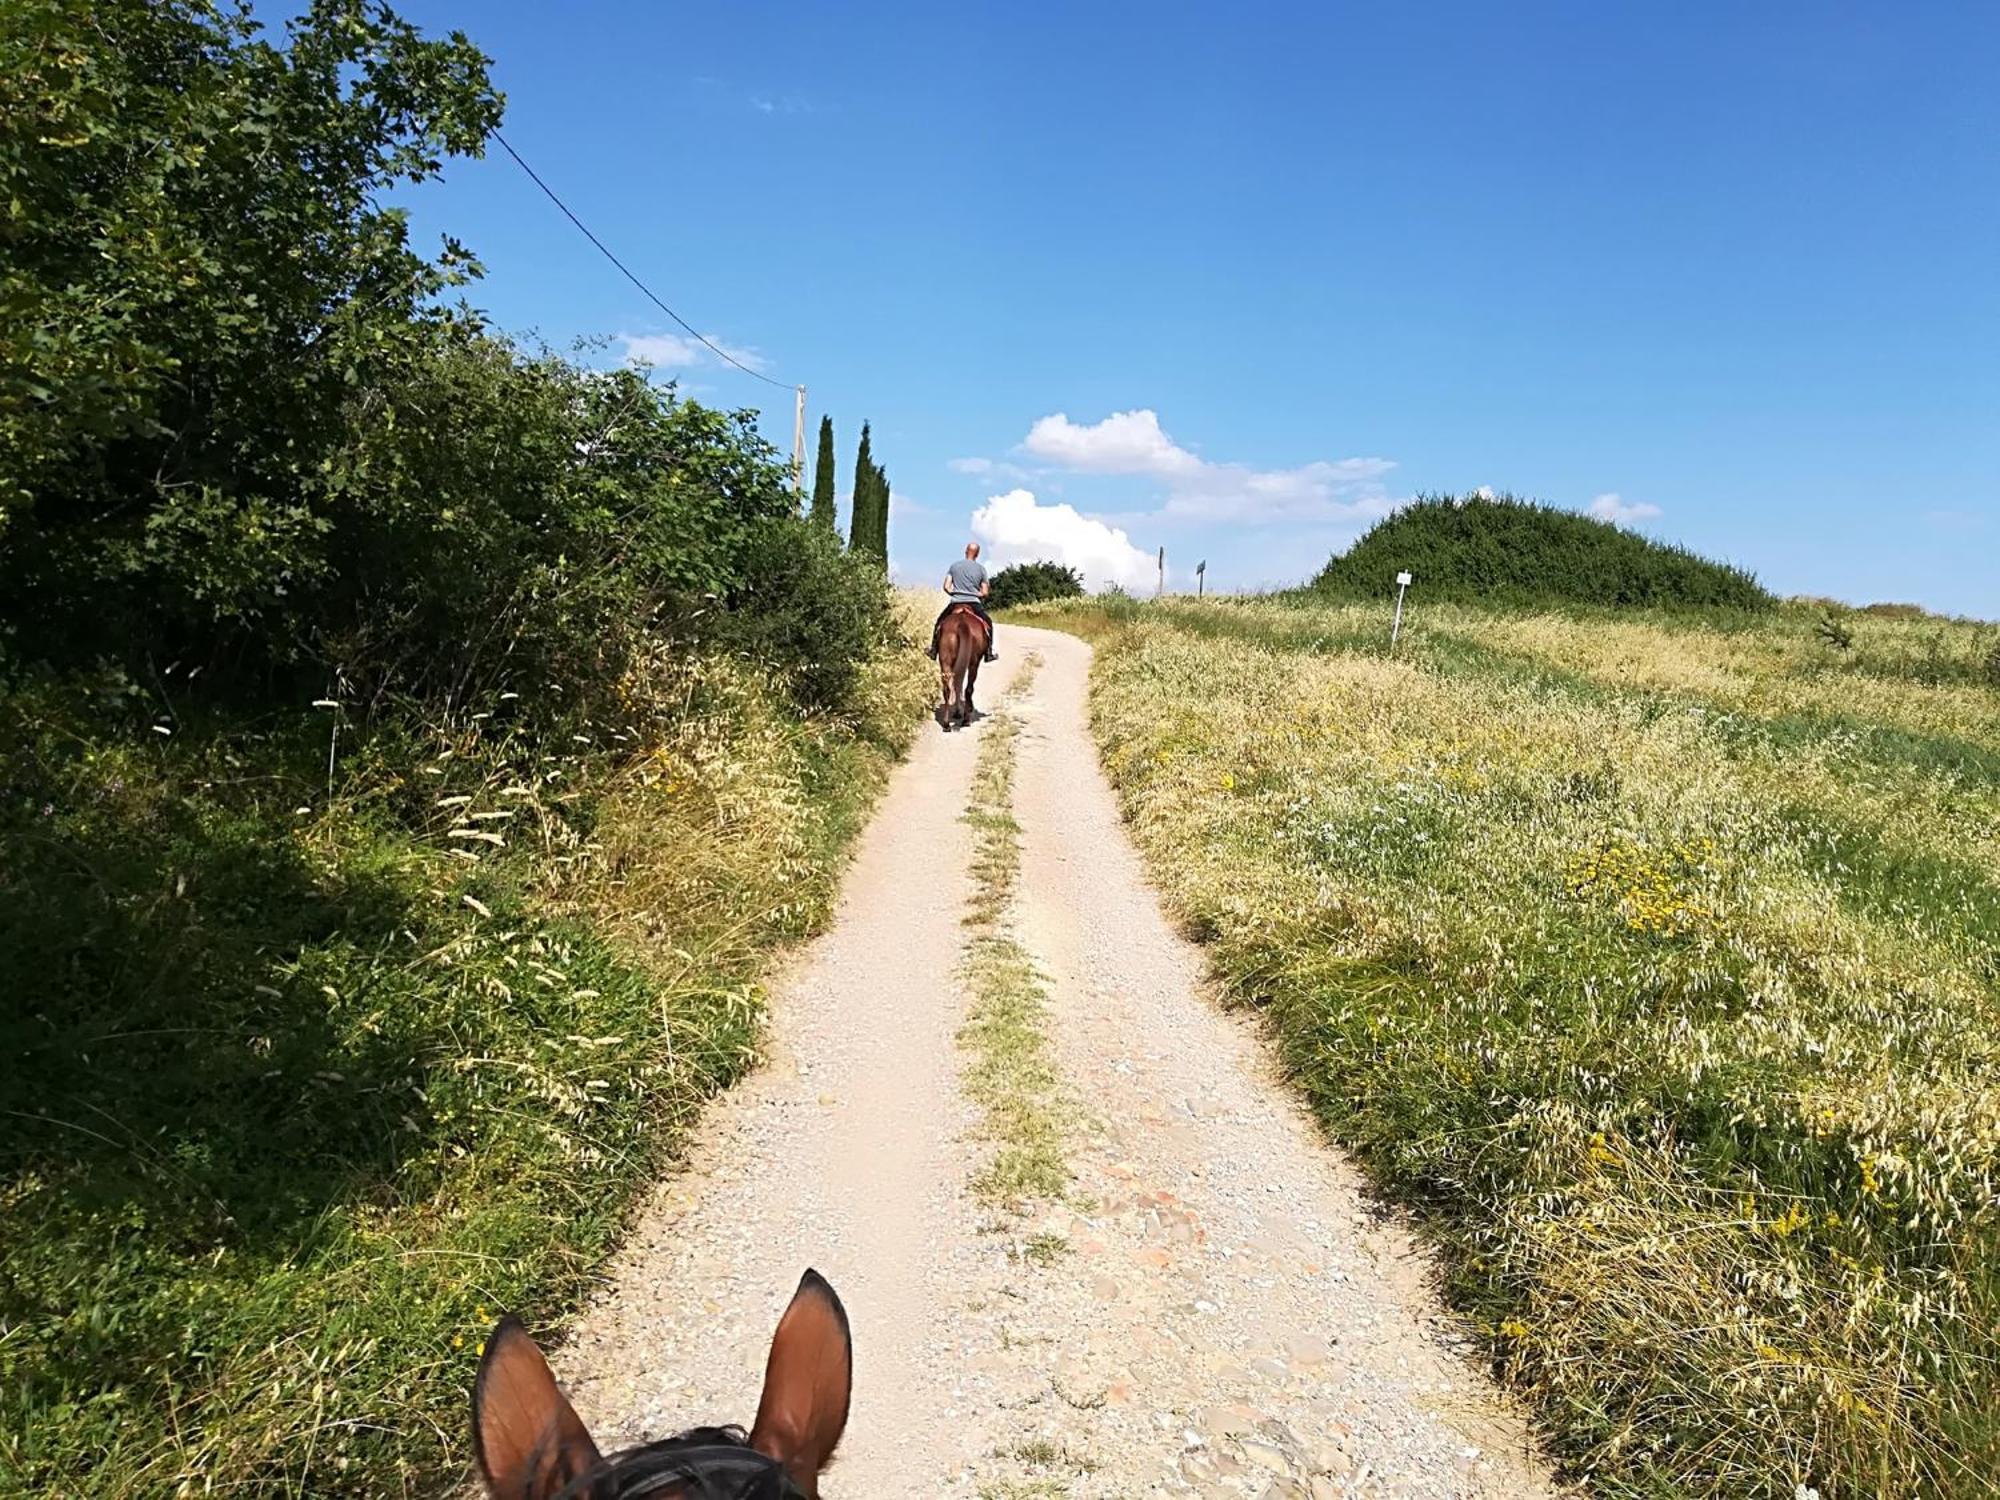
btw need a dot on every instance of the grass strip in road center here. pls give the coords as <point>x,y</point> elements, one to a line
<point>1009,1074</point>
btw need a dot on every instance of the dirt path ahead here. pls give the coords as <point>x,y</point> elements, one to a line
<point>1215,1311</point>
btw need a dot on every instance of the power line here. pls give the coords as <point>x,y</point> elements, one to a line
<point>721,354</point>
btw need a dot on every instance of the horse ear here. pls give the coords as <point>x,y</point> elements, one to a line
<point>807,1384</point>
<point>529,1439</point>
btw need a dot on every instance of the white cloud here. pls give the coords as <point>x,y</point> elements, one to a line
<point>1621,512</point>
<point>1014,527</point>
<point>749,358</point>
<point>986,468</point>
<point>1133,442</point>
<point>664,350</point>
<point>903,505</point>
<point>669,351</point>
<point>1126,442</point>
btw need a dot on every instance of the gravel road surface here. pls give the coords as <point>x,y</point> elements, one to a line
<point>1217,1309</point>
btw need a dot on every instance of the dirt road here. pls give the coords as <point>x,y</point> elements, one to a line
<point>1215,1309</point>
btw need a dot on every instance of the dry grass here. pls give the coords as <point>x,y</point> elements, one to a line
<point>399,1059</point>
<point>1658,964</point>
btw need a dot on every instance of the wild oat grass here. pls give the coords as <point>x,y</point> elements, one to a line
<point>1658,964</point>
<point>339,1079</point>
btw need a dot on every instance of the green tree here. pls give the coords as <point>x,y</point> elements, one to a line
<point>857,508</point>
<point>197,276</point>
<point>868,526</point>
<point>878,538</point>
<point>238,429</point>
<point>1032,582</point>
<point>822,497</point>
<point>861,518</point>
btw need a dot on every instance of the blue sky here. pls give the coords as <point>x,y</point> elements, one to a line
<point>1233,280</point>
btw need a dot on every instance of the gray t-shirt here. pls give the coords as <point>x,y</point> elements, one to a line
<point>966,576</point>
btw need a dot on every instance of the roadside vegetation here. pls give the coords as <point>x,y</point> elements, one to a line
<point>1032,583</point>
<point>1654,960</point>
<point>412,745</point>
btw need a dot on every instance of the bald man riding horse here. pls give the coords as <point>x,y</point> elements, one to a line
<point>966,583</point>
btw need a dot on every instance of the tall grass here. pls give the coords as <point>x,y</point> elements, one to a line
<point>1658,965</point>
<point>305,1080</point>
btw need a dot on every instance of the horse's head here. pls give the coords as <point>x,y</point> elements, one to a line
<point>532,1445</point>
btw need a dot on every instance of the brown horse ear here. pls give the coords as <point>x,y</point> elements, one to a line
<point>529,1439</point>
<point>806,1384</point>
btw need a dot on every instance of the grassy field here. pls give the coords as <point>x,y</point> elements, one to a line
<point>305,1078</point>
<point>1656,964</point>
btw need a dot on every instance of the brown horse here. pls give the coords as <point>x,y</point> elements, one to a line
<point>532,1445</point>
<point>961,646</point>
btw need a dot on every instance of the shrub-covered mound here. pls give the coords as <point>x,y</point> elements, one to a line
<point>1472,549</point>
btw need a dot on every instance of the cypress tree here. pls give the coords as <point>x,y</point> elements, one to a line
<point>878,537</point>
<point>858,524</point>
<point>822,501</point>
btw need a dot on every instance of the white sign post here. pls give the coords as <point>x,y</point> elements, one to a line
<point>1396,628</point>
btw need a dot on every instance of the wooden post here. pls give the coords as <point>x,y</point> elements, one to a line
<point>1161,588</point>
<point>1200,580</point>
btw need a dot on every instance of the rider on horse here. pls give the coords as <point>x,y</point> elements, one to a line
<point>966,583</point>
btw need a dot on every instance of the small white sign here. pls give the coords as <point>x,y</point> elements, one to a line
<point>1403,580</point>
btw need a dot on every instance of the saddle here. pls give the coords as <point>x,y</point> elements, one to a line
<point>960,607</point>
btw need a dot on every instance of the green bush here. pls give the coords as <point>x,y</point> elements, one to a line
<point>238,431</point>
<point>529,521</point>
<point>813,610</point>
<point>1032,582</point>
<point>1508,551</point>
<point>199,288</point>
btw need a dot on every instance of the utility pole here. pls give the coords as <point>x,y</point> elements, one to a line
<point>799,445</point>
<point>1162,588</point>
<point>1201,578</point>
